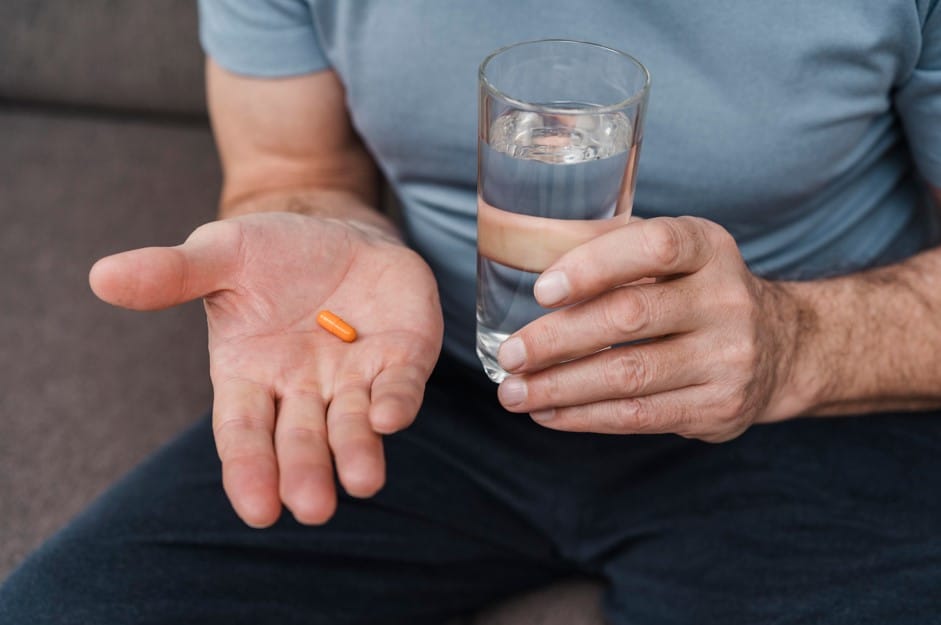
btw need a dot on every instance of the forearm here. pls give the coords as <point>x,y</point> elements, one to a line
<point>288,145</point>
<point>870,341</point>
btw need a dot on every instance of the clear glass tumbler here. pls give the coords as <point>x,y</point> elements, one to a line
<point>560,128</point>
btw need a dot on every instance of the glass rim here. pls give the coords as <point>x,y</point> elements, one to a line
<point>542,108</point>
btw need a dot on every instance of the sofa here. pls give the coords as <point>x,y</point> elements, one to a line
<point>105,146</point>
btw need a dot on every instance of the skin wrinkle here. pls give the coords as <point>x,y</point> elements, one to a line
<point>241,251</point>
<point>270,305</point>
<point>664,244</point>
<point>393,391</point>
<point>630,314</point>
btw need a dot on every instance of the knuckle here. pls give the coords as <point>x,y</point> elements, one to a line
<point>236,426</point>
<point>303,434</point>
<point>664,242</point>
<point>547,389</point>
<point>618,416</point>
<point>704,234</point>
<point>628,314</point>
<point>543,341</point>
<point>639,417</point>
<point>626,372</point>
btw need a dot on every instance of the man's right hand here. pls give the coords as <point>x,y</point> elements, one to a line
<point>291,400</point>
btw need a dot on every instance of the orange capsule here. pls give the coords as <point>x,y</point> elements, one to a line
<point>336,326</point>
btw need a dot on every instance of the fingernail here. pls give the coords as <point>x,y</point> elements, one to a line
<point>551,288</point>
<point>542,415</point>
<point>512,392</point>
<point>512,354</point>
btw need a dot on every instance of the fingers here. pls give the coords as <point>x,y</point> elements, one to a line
<point>357,449</point>
<point>692,412</point>
<point>396,397</point>
<point>622,315</point>
<point>294,465</point>
<point>644,248</point>
<point>355,417</point>
<point>243,422</point>
<point>631,371</point>
<point>620,416</point>
<point>306,468</point>
<point>153,278</point>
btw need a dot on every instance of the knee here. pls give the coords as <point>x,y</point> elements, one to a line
<point>60,583</point>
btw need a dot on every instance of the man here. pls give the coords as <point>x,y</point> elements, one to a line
<point>783,142</point>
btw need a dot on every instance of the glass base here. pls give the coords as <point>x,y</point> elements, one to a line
<point>487,345</point>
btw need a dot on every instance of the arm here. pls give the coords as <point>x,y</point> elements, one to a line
<point>870,341</point>
<point>288,145</point>
<point>712,347</point>
<point>299,234</point>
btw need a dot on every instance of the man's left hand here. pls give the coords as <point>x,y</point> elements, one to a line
<point>662,329</point>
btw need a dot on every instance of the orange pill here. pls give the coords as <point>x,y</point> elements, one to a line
<point>336,326</point>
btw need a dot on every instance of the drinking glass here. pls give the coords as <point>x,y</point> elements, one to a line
<point>559,131</point>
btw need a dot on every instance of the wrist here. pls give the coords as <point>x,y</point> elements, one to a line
<point>800,379</point>
<point>337,205</point>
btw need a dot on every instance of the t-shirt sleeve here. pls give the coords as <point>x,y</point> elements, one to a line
<point>918,101</point>
<point>265,38</point>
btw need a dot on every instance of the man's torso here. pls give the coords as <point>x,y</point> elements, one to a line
<point>774,119</point>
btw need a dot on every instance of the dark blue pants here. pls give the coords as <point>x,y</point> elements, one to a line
<point>815,521</point>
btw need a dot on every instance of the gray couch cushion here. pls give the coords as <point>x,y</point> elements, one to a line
<point>88,390</point>
<point>124,54</point>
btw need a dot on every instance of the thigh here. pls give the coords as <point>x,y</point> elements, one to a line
<point>163,546</point>
<point>832,522</point>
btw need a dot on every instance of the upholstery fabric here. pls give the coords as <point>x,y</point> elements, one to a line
<point>89,389</point>
<point>116,54</point>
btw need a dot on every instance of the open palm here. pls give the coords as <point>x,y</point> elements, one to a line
<point>291,400</point>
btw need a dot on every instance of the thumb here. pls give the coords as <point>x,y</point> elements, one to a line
<point>153,278</point>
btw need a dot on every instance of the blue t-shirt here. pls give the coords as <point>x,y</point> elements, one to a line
<point>802,127</point>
